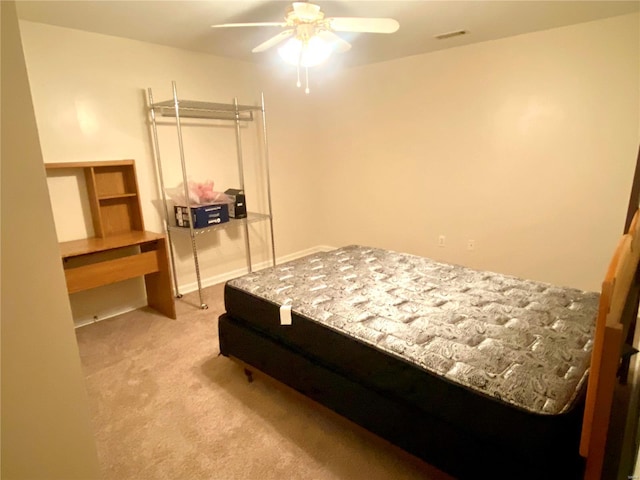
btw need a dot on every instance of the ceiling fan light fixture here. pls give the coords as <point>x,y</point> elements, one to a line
<point>310,36</point>
<point>305,54</point>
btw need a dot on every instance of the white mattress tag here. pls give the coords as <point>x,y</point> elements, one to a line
<point>285,315</point>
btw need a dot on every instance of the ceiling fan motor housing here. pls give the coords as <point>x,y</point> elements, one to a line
<point>304,12</point>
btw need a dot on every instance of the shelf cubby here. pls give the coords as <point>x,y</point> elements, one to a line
<point>112,188</point>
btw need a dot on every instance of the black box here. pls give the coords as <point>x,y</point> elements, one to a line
<point>203,215</point>
<point>238,206</point>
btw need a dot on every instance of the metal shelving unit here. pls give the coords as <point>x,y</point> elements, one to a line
<point>236,114</point>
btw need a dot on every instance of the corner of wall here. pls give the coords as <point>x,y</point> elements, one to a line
<point>46,429</point>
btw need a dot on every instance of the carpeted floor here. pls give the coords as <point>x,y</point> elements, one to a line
<point>165,406</point>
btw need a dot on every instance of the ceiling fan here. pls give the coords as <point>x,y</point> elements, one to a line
<point>311,36</point>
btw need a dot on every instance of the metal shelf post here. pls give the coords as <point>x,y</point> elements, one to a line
<point>236,113</point>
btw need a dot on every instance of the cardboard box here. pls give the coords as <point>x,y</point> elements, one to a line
<point>203,215</point>
<point>238,208</point>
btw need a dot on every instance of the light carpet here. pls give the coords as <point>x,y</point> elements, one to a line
<point>165,405</point>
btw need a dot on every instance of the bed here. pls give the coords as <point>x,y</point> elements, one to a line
<point>481,374</point>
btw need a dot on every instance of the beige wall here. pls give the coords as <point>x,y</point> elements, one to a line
<point>296,172</point>
<point>525,145</point>
<point>46,432</point>
<point>89,94</point>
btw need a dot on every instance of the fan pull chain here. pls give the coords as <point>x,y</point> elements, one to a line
<point>306,70</point>
<point>299,84</point>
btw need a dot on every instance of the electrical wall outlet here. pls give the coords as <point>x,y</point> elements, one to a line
<point>442,241</point>
<point>471,244</point>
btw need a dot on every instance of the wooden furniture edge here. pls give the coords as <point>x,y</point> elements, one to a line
<point>94,203</point>
<point>96,163</point>
<point>617,292</point>
<point>86,246</point>
<point>632,313</point>
<point>158,284</point>
<point>138,200</point>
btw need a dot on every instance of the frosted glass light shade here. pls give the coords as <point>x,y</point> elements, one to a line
<point>313,53</point>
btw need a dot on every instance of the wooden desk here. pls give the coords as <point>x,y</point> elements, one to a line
<point>149,259</point>
<point>121,248</point>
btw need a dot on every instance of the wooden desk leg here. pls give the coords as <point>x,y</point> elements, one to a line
<point>159,289</point>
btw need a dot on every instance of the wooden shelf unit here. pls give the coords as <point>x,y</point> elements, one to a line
<point>116,214</point>
<point>112,187</point>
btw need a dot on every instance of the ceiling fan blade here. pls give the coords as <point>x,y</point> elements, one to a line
<point>259,24</point>
<point>363,24</point>
<point>273,41</point>
<point>338,43</point>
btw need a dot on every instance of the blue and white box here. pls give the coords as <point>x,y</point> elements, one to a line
<point>203,215</point>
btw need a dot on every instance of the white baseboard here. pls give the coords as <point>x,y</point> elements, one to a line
<point>207,282</point>
<point>110,313</point>
<point>223,277</point>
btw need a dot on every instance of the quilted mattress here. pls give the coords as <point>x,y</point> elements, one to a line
<point>519,342</point>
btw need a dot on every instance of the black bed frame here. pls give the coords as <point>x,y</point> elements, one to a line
<point>437,442</point>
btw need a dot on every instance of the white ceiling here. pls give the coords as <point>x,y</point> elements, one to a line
<point>186,23</point>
